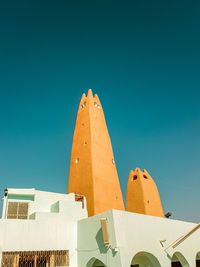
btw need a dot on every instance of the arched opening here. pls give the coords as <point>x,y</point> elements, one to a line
<point>178,260</point>
<point>95,263</point>
<point>143,259</point>
<point>198,259</point>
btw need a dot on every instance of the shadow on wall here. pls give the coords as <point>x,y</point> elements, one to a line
<point>95,263</point>
<point>198,259</point>
<point>178,260</point>
<point>143,259</point>
<point>100,243</point>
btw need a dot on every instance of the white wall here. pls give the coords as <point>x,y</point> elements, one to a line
<point>129,233</point>
<point>43,201</point>
<point>29,235</point>
<point>47,229</point>
<point>132,233</point>
<point>90,243</point>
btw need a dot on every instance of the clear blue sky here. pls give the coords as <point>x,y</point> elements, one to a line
<point>143,60</point>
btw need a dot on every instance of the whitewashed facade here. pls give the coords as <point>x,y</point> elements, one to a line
<point>39,225</point>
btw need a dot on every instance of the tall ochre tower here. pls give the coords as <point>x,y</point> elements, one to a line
<point>92,168</point>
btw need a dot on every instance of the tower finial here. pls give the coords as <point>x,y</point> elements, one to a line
<point>83,97</point>
<point>90,94</point>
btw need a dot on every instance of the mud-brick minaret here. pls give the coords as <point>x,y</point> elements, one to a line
<point>142,194</point>
<point>92,169</point>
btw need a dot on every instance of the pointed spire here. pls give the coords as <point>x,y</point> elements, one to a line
<point>97,100</point>
<point>83,97</point>
<point>137,169</point>
<point>82,102</point>
<point>90,94</point>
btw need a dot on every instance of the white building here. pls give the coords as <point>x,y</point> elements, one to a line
<point>43,222</point>
<point>49,229</point>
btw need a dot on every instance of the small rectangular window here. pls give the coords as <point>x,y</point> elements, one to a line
<point>17,210</point>
<point>79,198</point>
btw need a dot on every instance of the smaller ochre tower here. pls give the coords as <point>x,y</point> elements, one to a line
<point>142,195</point>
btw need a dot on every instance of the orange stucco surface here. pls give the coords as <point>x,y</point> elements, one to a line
<point>142,194</point>
<point>92,168</point>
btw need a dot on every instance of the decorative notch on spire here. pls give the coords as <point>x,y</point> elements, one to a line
<point>83,101</point>
<point>89,98</point>
<point>97,102</point>
<point>138,173</point>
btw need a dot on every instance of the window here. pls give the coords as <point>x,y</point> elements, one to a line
<point>17,210</point>
<point>35,258</point>
<point>80,198</point>
<point>135,177</point>
<point>97,105</point>
<point>83,105</point>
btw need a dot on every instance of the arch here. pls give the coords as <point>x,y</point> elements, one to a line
<point>143,259</point>
<point>198,259</point>
<point>95,263</point>
<point>178,260</point>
